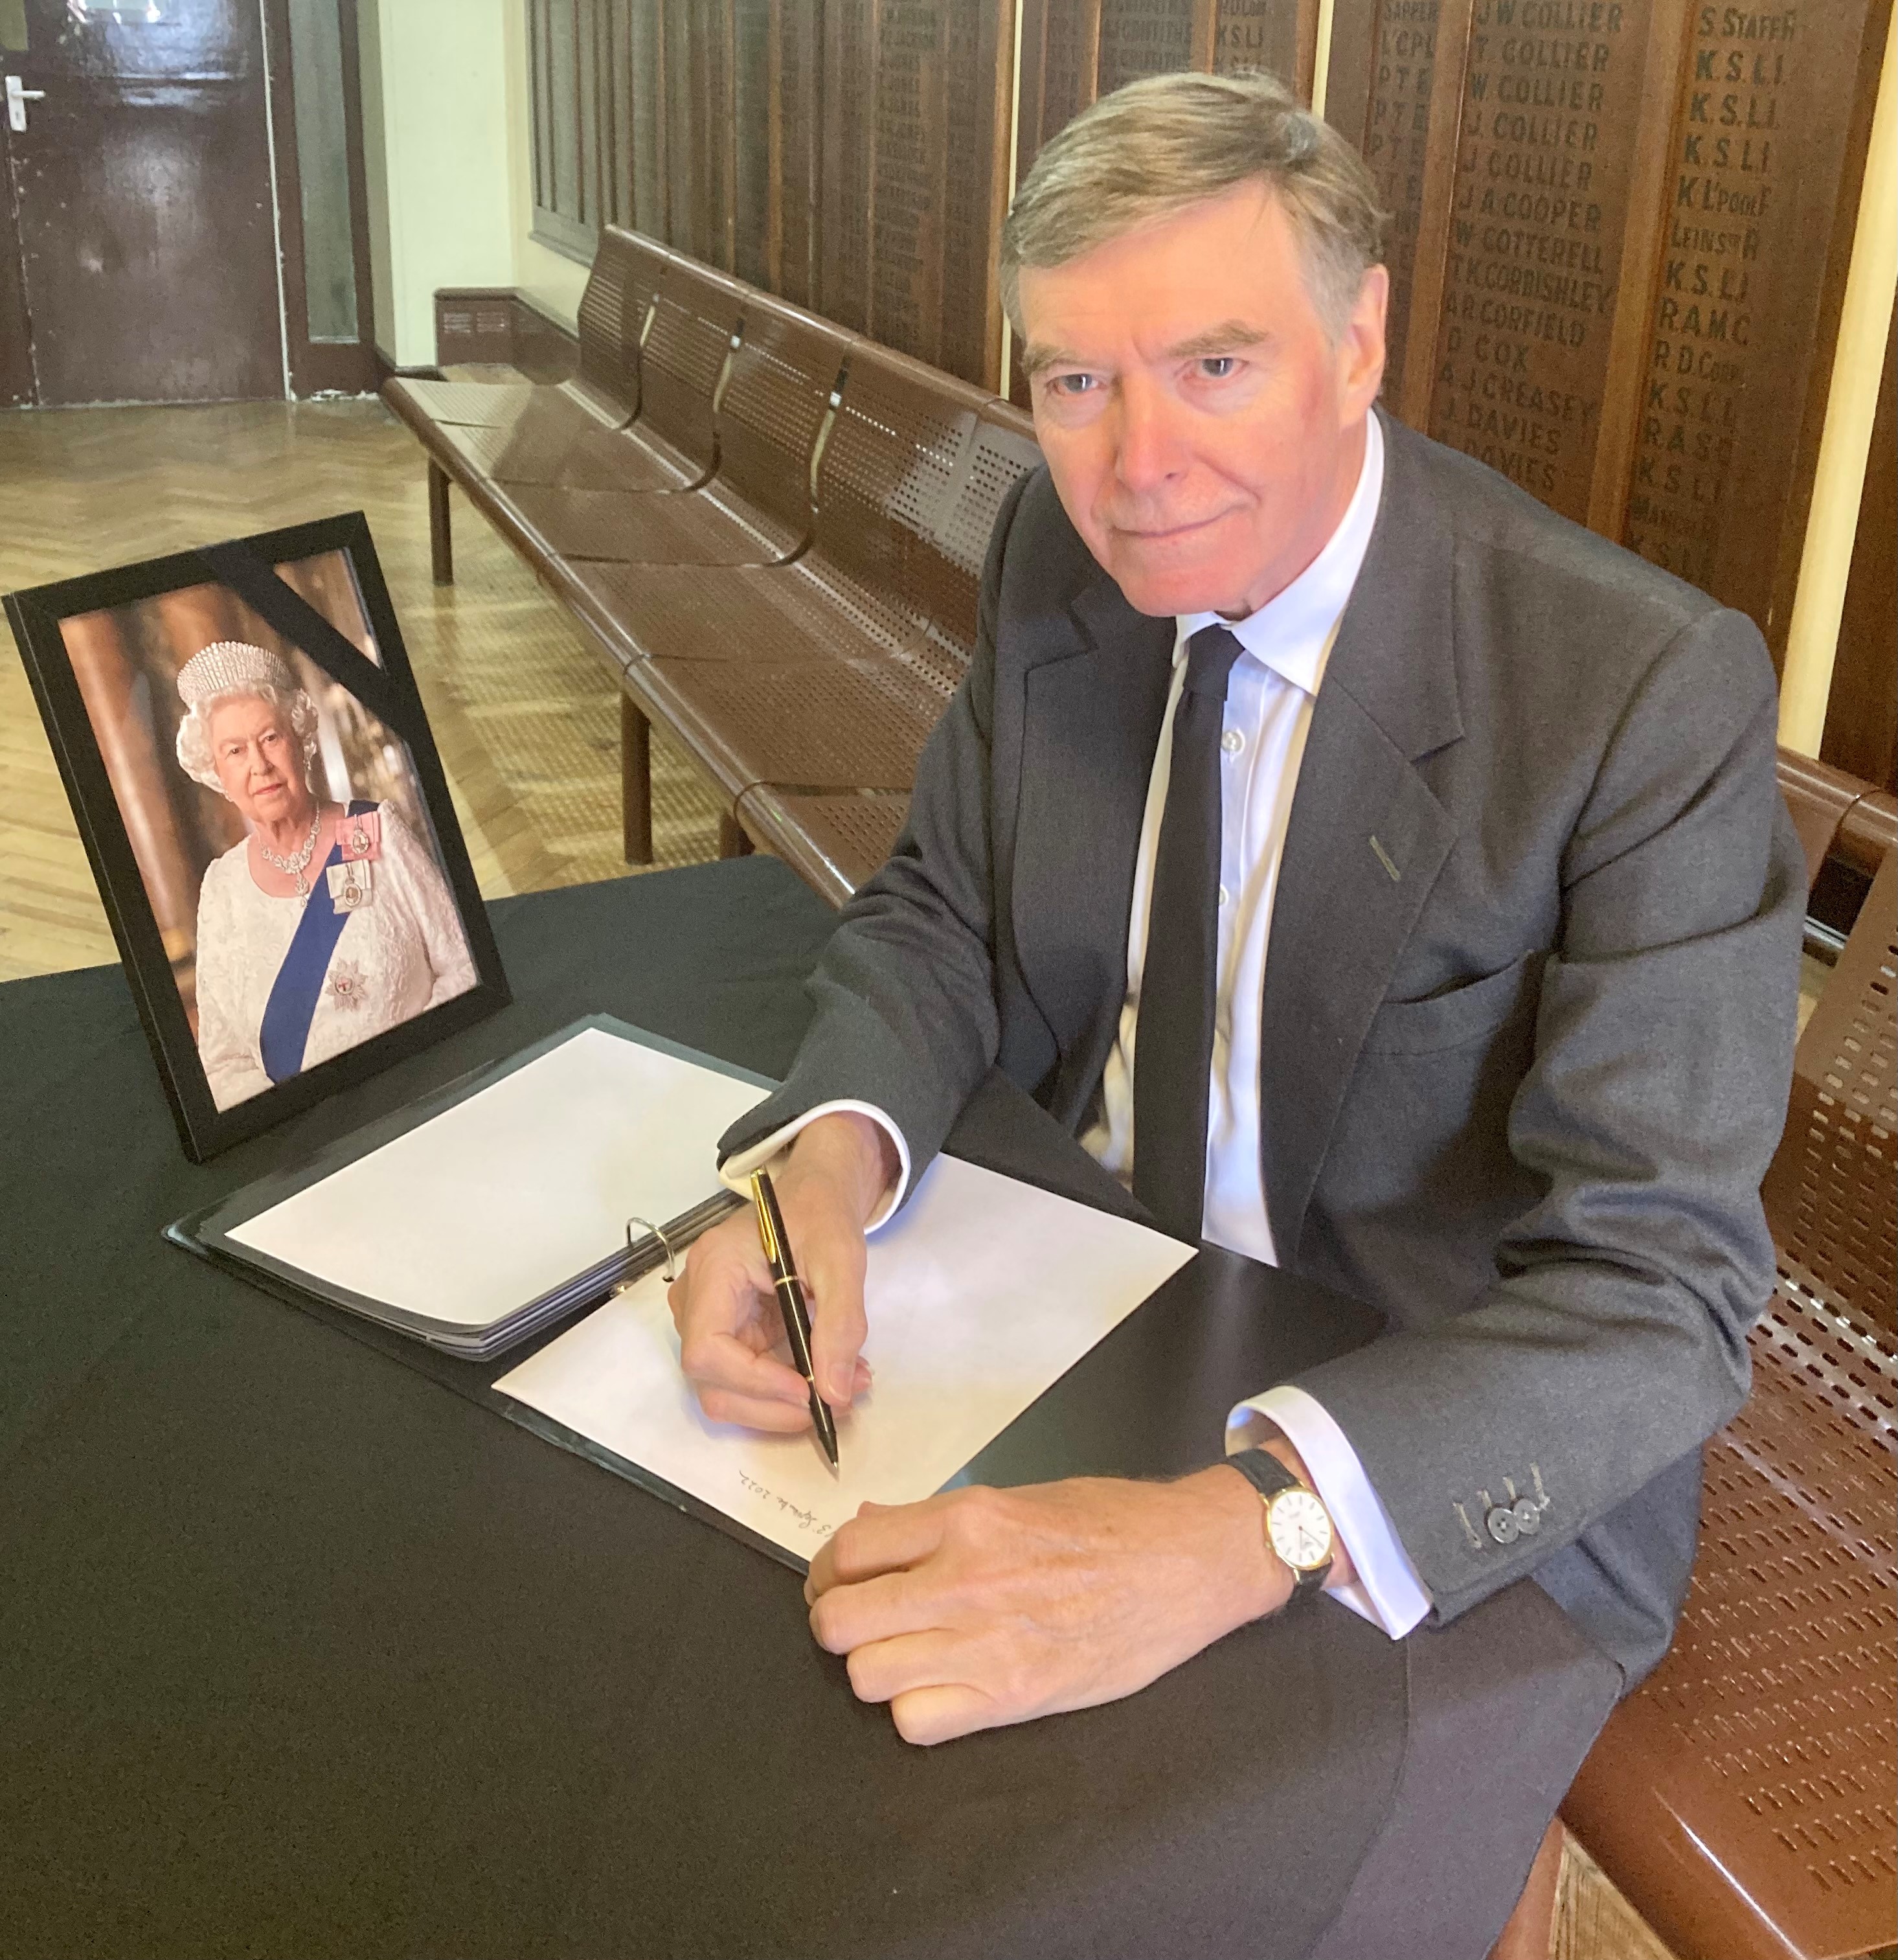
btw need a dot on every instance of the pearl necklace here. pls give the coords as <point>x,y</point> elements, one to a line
<point>294,867</point>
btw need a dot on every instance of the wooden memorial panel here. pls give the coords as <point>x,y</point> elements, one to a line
<point>716,127</point>
<point>1759,198</point>
<point>753,229</point>
<point>613,30</point>
<point>978,65</point>
<point>1140,37</point>
<point>645,125</point>
<point>844,166</point>
<point>1279,36</point>
<point>1385,96</point>
<point>916,95</point>
<point>796,54</point>
<point>910,166</point>
<point>684,173</point>
<point>1561,100</point>
<point>1075,51</point>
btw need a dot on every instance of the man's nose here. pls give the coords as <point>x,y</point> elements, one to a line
<point>1148,450</point>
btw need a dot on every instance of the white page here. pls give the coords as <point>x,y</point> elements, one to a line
<point>980,1296</point>
<point>511,1193</point>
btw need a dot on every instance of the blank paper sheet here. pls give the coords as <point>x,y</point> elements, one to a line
<point>980,1294</point>
<point>507,1195</point>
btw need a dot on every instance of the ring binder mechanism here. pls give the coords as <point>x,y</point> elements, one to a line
<point>484,1215</point>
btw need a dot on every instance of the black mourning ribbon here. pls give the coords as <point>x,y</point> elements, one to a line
<point>1173,1038</point>
<point>255,582</point>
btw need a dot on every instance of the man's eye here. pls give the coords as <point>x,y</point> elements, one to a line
<point>1073,384</point>
<point>1218,367</point>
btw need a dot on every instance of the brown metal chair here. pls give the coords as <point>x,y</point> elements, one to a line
<point>909,485</point>
<point>825,674</point>
<point>626,273</point>
<point>756,509</point>
<point>1819,798</point>
<point>468,428</point>
<point>835,841</point>
<point>1742,1798</point>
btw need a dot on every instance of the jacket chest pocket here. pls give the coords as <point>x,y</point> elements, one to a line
<point>1465,1014</point>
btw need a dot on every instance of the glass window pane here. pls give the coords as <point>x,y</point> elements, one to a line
<point>322,169</point>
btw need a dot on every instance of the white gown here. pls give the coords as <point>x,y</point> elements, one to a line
<point>401,953</point>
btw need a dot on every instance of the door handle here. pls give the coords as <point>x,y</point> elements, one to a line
<point>18,96</point>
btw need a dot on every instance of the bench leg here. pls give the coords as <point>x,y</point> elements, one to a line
<point>441,544</point>
<point>732,842</point>
<point>635,782</point>
<point>1531,1933</point>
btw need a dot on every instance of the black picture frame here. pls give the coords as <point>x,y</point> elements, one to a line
<point>385,691</point>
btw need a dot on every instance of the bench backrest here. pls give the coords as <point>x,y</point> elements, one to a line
<point>887,475</point>
<point>1741,1798</point>
<point>1004,452</point>
<point>783,373</point>
<point>626,274</point>
<point>694,316</point>
<point>1829,1194</point>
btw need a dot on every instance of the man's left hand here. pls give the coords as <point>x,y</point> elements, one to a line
<point>982,1607</point>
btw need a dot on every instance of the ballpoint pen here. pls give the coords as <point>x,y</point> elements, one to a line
<point>790,1303</point>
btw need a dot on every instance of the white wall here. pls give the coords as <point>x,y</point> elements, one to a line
<point>437,137</point>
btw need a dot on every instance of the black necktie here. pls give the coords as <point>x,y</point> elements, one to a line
<point>1173,1036</point>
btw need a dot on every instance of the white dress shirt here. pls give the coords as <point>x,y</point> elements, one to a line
<point>1268,714</point>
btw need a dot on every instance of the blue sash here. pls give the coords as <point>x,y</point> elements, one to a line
<point>298,986</point>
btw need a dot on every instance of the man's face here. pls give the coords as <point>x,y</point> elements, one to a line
<point>1203,432</point>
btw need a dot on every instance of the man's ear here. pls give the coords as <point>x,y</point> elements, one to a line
<point>1361,348</point>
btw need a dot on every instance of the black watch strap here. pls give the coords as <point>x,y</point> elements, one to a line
<point>1268,1476</point>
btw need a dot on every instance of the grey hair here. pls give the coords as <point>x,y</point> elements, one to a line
<point>194,732</point>
<point>1152,147</point>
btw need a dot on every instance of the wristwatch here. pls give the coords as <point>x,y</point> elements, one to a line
<point>1298,1527</point>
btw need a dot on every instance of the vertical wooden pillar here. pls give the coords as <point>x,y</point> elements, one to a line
<point>635,782</point>
<point>441,544</point>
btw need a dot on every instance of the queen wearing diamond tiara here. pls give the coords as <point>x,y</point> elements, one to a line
<point>325,924</point>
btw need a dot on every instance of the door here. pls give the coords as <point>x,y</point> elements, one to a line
<point>142,203</point>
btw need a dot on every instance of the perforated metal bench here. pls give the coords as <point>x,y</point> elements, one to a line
<point>778,549</point>
<point>1742,1798</point>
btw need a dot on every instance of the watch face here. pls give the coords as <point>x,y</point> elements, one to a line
<point>1300,1529</point>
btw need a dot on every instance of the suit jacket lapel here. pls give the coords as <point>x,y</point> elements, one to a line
<point>1366,839</point>
<point>1091,717</point>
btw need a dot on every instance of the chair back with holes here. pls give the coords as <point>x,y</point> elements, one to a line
<point>694,315</point>
<point>888,474</point>
<point>783,373</point>
<point>1831,1193</point>
<point>627,272</point>
<point>1004,452</point>
<point>1742,1797</point>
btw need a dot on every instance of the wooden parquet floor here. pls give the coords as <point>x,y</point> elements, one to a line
<point>524,711</point>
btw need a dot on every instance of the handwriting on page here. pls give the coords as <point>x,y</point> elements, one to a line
<point>795,1514</point>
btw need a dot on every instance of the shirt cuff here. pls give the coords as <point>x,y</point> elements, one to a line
<point>738,1167</point>
<point>1386,1591</point>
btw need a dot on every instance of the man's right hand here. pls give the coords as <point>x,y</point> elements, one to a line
<point>838,1171</point>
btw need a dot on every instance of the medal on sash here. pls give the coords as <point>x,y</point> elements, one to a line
<point>350,885</point>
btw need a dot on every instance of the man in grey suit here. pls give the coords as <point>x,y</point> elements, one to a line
<point>1389,878</point>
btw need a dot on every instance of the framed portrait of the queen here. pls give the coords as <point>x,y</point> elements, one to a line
<point>246,754</point>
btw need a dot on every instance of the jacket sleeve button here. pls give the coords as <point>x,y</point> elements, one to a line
<point>1527,1517</point>
<point>1502,1525</point>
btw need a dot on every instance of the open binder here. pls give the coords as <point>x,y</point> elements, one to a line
<point>480,1217</point>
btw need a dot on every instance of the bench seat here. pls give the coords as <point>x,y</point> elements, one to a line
<point>833,842</point>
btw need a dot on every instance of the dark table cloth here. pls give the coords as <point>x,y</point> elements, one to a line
<point>301,1655</point>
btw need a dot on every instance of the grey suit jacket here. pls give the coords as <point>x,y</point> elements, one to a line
<point>1519,1082</point>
